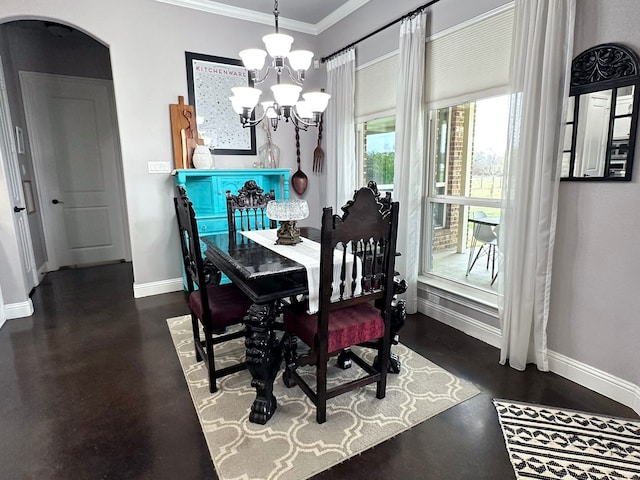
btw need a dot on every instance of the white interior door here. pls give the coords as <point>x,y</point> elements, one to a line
<point>9,159</point>
<point>72,126</point>
<point>594,120</point>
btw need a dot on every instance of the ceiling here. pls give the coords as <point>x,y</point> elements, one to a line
<point>307,16</point>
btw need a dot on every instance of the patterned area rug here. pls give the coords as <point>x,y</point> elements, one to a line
<point>292,446</point>
<point>549,443</point>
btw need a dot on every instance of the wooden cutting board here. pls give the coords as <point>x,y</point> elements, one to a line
<point>184,133</point>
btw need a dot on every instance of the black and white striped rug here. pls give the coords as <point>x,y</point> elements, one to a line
<point>549,443</point>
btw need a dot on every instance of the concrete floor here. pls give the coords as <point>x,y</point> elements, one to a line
<point>91,388</point>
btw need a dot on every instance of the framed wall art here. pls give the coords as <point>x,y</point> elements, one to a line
<point>210,80</point>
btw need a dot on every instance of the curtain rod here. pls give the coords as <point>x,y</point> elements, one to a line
<point>353,44</point>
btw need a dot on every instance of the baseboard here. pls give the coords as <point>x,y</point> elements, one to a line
<point>18,310</point>
<point>157,288</point>
<point>621,391</point>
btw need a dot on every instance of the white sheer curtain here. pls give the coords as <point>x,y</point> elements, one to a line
<point>409,157</point>
<point>540,72</point>
<point>339,125</point>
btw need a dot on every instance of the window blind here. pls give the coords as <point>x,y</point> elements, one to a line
<point>474,57</point>
<point>470,59</point>
<point>376,87</point>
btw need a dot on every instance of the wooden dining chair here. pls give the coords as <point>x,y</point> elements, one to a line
<point>247,209</point>
<point>214,307</point>
<point>398,307</point>
<point>355,301</point>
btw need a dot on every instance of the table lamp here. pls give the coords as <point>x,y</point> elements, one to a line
<point>287,212</point>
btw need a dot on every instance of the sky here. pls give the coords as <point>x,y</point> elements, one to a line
<point>492,123</point>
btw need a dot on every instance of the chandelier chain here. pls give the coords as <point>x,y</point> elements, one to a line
<point>276,14</point>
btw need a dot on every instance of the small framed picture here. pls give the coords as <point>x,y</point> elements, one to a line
<point>29,201</point>
<point>19,140</point>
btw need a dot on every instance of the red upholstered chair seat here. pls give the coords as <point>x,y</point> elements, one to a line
<point>347,326</point>
<point>228,304</point>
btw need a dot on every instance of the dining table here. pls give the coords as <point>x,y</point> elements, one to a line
<point>269,279</point>
<point>491,221</point>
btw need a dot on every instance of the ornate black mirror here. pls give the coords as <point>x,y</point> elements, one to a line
<point>602,115</point>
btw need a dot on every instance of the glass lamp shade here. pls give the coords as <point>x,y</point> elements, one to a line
<point>247,97</point>
<point>286,94</point>
<point>235,103</point>
<point>269,109</point>
<point>317,101</point>
<point>287,210</point>
<point>253,58</point>
<point>278,44</point>
<point>300,59</point>
<point>303,110</point>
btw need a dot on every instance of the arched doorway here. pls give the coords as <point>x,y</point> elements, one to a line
<point>60,92</point>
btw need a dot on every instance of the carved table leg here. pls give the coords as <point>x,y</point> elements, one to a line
<point>398,317</point>
<point>290,346</point>
<point>264,355</point>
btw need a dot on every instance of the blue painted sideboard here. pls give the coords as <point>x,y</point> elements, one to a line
<point>207,189</point>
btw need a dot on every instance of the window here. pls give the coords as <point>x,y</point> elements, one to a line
<point>467,121</point>
<point>440,163</point>
<point>377,141</point>
<point>468,143</point>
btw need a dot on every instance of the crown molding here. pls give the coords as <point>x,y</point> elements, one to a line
<point>218,8</point>
<point>337,15</point>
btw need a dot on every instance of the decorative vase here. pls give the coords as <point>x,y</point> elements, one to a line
<point>269,153</point>
<point>202,157</point>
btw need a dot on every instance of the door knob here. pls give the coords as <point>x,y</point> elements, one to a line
<point>18,209</point>
<point>55,201</point>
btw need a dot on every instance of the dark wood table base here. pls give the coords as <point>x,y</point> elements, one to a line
<point>264,356</point>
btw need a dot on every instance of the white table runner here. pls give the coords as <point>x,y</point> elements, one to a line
<point>307,253</point>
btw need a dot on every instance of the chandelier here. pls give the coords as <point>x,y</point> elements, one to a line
<point>286,104</point>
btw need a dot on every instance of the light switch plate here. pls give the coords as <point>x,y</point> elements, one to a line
<point>159,167</point>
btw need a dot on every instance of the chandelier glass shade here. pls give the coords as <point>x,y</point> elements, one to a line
<point>286,104</point>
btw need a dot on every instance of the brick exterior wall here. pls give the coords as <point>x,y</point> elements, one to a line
<point>447,237</point>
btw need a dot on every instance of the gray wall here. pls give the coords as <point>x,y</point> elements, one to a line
<point>594,297</point>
